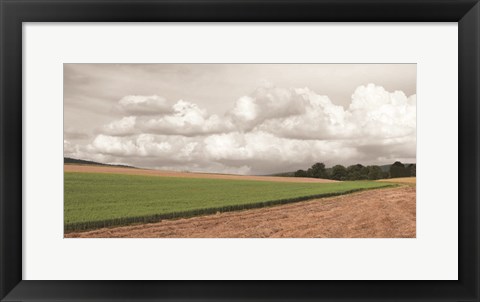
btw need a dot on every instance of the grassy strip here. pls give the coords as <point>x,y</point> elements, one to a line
<point>89,225</point>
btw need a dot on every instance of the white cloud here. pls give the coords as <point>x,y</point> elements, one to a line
<point>186,119</point>
<point>139,145</point>
<point>304,114</point>
<point>183,118</point>
<point>265,103</point>
<point>271,130</point>
<point>124,126</point>
<point>245,110</point>
<point>259,146</point>
<point>234,152</point>
<point>315,117</point>
<point>378,113</point>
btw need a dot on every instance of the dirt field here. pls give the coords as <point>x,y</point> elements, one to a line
<point>382,213</point>
<point>404,180</point>
<point>132,171</point>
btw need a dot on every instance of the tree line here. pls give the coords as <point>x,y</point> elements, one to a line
<point>358,172</point>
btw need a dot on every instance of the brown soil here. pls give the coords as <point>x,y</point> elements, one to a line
<point>133,171</point>
<point>381,213</point>
<point>403,180</point>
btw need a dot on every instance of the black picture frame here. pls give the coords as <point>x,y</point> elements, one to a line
<point>14,12</point>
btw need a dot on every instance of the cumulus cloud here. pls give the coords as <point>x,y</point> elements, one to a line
<point>314,117</point>
<point>267,150</point>
<point>304,114</point>
<point>124,126</point>
<point>265,103</point>
<point>140,145</point>
<point>234,152</point>
<point>381,114</point>
<point>270,130</point>
<point>186,119</point>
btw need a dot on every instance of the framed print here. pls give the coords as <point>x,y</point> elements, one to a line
<point>239,150</point>
<point>196,159</point>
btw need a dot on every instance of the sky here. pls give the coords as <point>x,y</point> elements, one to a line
<point>251,119</point>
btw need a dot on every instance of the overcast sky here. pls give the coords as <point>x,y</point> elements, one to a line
<point>240,118</point>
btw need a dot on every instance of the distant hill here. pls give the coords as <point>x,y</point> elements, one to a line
<point>68,160</point>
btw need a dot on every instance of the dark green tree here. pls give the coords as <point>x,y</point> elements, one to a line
<point>374,172</point>
<point>339,172</point>
<point>412,170</point>
<point>318,170</point>
<point>398,170</point>
<point>301,173</point>
<point>357,172</point>
<point>328,172</point>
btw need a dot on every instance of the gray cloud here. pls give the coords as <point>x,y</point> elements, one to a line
<point>143,105</point>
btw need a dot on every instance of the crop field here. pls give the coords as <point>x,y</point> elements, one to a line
<point>96,200</point>
<point>378,213</point>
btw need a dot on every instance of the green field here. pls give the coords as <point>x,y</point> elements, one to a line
<point>94,200</point>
